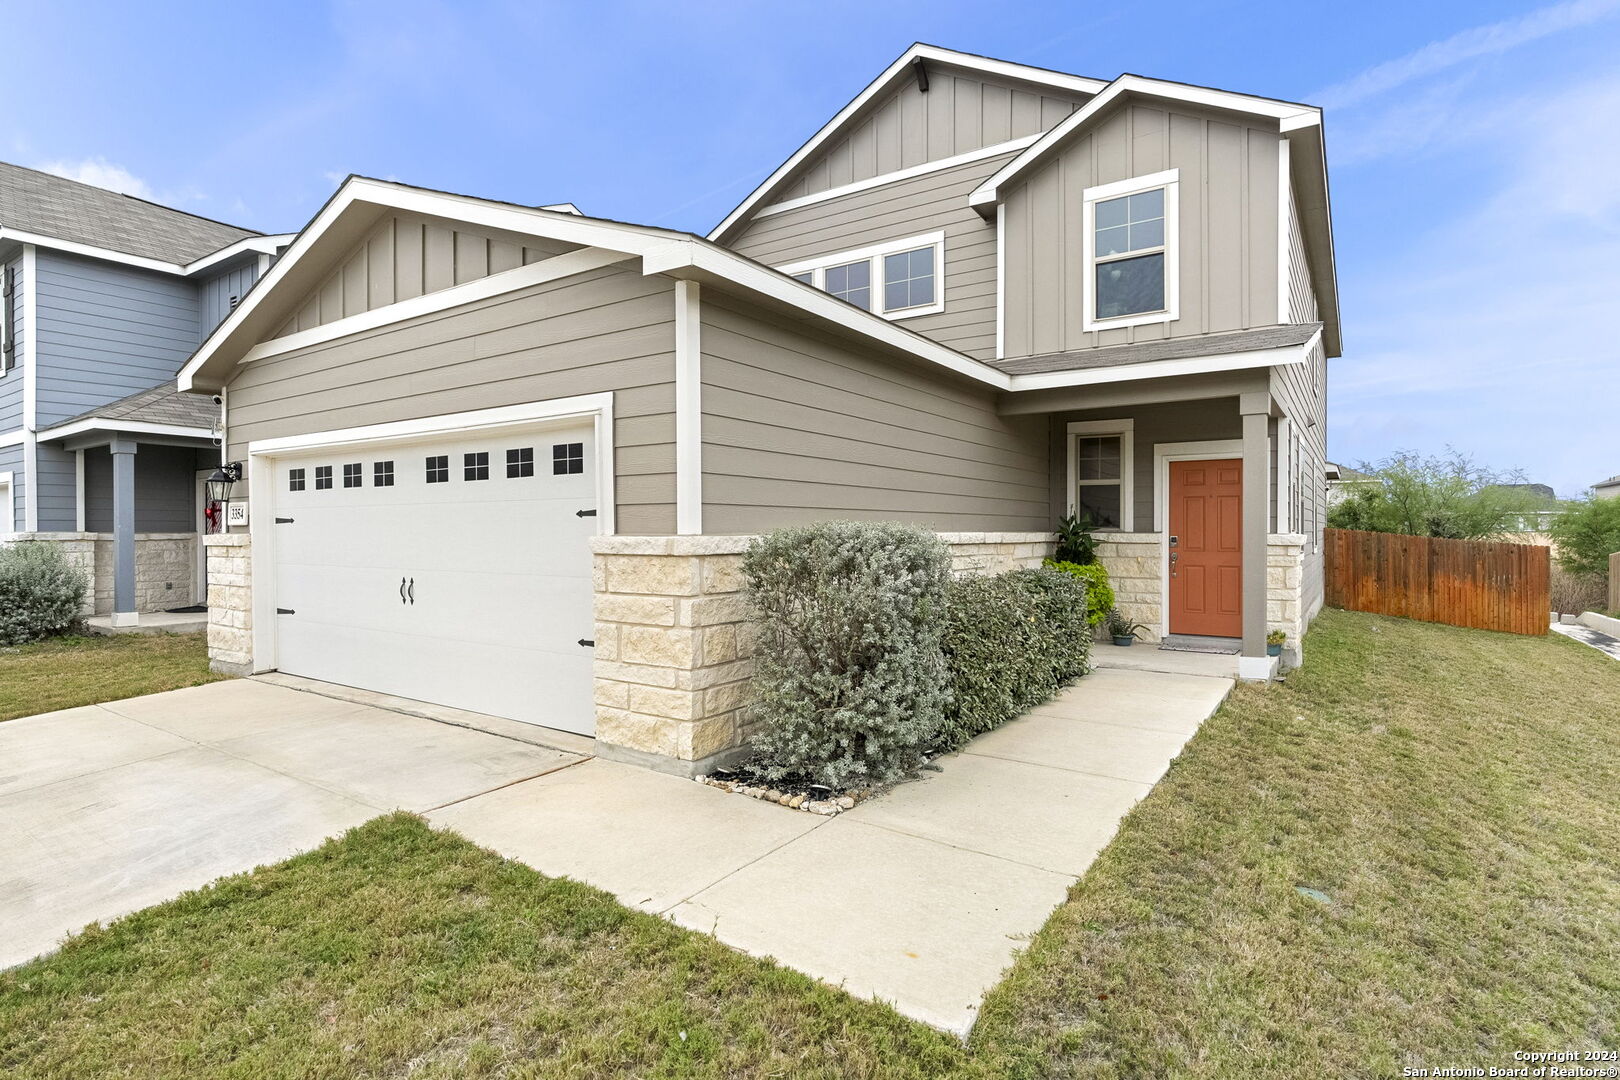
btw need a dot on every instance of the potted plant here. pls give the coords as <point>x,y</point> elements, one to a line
<point>1274,642</point>
<point>1121,629</point>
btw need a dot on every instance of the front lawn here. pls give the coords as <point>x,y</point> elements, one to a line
<point>1449,793</point>
<point>67,672</point>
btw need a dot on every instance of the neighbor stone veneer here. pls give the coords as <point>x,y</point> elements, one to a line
<point>165,567</point>
<point>230,603</point>
<point>674,641</point>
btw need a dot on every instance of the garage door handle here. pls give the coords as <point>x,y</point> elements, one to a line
<point>412,589</point>
<point>402,590</point>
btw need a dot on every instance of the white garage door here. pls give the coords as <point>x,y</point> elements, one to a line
<point>455,571</point>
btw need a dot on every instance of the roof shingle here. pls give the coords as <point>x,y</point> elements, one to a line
<point>161,404</point>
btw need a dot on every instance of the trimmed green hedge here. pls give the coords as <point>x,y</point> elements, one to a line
<point>1099,594</point>
<point>1011,642</point>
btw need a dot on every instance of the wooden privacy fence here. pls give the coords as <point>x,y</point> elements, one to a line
<point>1459,582</point>
<point>1614,583</point>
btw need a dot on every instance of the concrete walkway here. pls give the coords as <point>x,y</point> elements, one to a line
<point>1586,635</point>
<point>111,808</point>
<point>920,897</point>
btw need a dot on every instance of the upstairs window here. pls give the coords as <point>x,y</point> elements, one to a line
<point>1130,252</point>
<point>897,279</point>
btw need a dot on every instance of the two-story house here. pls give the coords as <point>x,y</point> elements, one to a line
<point>105,296</point>
<point>503,457</point>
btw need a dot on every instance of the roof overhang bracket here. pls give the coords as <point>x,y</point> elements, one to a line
<point>919,67</point>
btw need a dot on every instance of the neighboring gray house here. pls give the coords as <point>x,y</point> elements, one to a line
<point>504,458</point>
<point>1607,489</point>
<point>105,296</point>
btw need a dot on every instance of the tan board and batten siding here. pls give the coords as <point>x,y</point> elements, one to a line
<point>607,330</point>
<point>406,256</point>
<point>1228,226</point>
<point>958,114</point>
<point>923,204</point>
<point>799,426</point>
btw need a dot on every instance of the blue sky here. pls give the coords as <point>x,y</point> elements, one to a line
<point>1473,148</point>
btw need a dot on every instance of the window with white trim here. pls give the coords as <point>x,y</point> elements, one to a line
<point>898,279</point>
<point>1101,459</point>
<point>1131,252</point>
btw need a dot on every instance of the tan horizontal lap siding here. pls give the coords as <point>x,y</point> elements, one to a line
<point>801,427</point>
<point>924,204</point>
<point>608,330</point>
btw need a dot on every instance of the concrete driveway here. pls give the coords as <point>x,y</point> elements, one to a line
<point>111,808</point>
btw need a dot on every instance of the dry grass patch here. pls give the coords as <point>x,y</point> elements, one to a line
<point>64,673</point>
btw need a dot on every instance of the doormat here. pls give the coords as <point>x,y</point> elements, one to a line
<point>194,609</point>
<point>1217,646</point>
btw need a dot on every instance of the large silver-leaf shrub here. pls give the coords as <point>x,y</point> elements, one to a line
<point>40,594</point>
<point>850,682</point>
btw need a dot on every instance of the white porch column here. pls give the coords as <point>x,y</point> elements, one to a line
<point>123,457</point>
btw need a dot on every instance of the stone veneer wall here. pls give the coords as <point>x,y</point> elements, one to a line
<point>230,603</point>
<point>674,641</point>
<point>1135,564</point>
<point>1285,586</point>
<point>165,567</point>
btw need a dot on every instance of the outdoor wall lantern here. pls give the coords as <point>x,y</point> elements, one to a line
<point>219,489</point>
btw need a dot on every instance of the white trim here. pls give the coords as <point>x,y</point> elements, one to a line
<point>30,362</point>
<point>1288,115</point>
<point>78,491</point>
<point>558,266</point>
<point>564,208</point>
<point>1011,146</point>
<point>1001,281</point>
<point>873,255</point>
<point>901,68</point>
<point>1163,455</point>
<point>1257,668</point>
<point>688,409</point>
<point>261,480</point>
<point>1285,461</point>
<point>1169,181</point>
<point>1285,250</point>
<point>14,438</point>
<point>9,506</point>
<point>263,244</point>
<point>125,427</point>
<point>1125,428</point>
<point>1155,369</point>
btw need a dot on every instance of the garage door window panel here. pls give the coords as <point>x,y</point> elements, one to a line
<point>323,477</point>
<point>438,469</point>
<point>520,462</point>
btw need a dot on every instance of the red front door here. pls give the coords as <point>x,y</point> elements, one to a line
<point>1206,548</point>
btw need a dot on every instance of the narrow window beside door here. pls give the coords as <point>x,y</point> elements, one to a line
<point>520,462</point>
<point>295,479</point>
<point>382,475</point>
<point>476,466</point>
<point>323,477</point>
<point>438,469</point>
<point>567,458</point>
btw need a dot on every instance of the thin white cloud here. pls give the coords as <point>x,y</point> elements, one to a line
<point>1488,40</point>
<point>101,173</point>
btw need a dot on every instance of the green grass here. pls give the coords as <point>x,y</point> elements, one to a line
<point>67,672</point>
<point>1451,791</point>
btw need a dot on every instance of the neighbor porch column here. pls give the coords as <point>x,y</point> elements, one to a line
<point>1256,410</point>
<point>123,458</point>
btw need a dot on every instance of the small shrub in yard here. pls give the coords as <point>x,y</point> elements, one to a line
<point>1011,642</point>
<point>850,682</point>
<point>1099,594</point>
<point>40,594</point>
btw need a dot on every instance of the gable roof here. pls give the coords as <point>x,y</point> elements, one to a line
<point>890,77</point>
<point>41,204</point>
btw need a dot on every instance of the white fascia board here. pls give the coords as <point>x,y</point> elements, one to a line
<point>73,247</point>
<point>263,245</point>
<point>1287,115</point>
<point>1158,369</point>
<point>1012,146</point>
<point>14,438</point>
<point>558,266</point>
<point>751,275</point>
<point>555,225</point>
<point>901,68</point>
<point>124,427</point>
<point>447,423</point>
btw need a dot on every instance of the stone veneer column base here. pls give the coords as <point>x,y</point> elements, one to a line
<point>1285,586</point>
<point>230,603</point>
<point>165,567</point>
<point>675,641</point>
<point>1135,564</point>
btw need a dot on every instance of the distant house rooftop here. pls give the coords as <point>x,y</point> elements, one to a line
<point>40,203</point>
